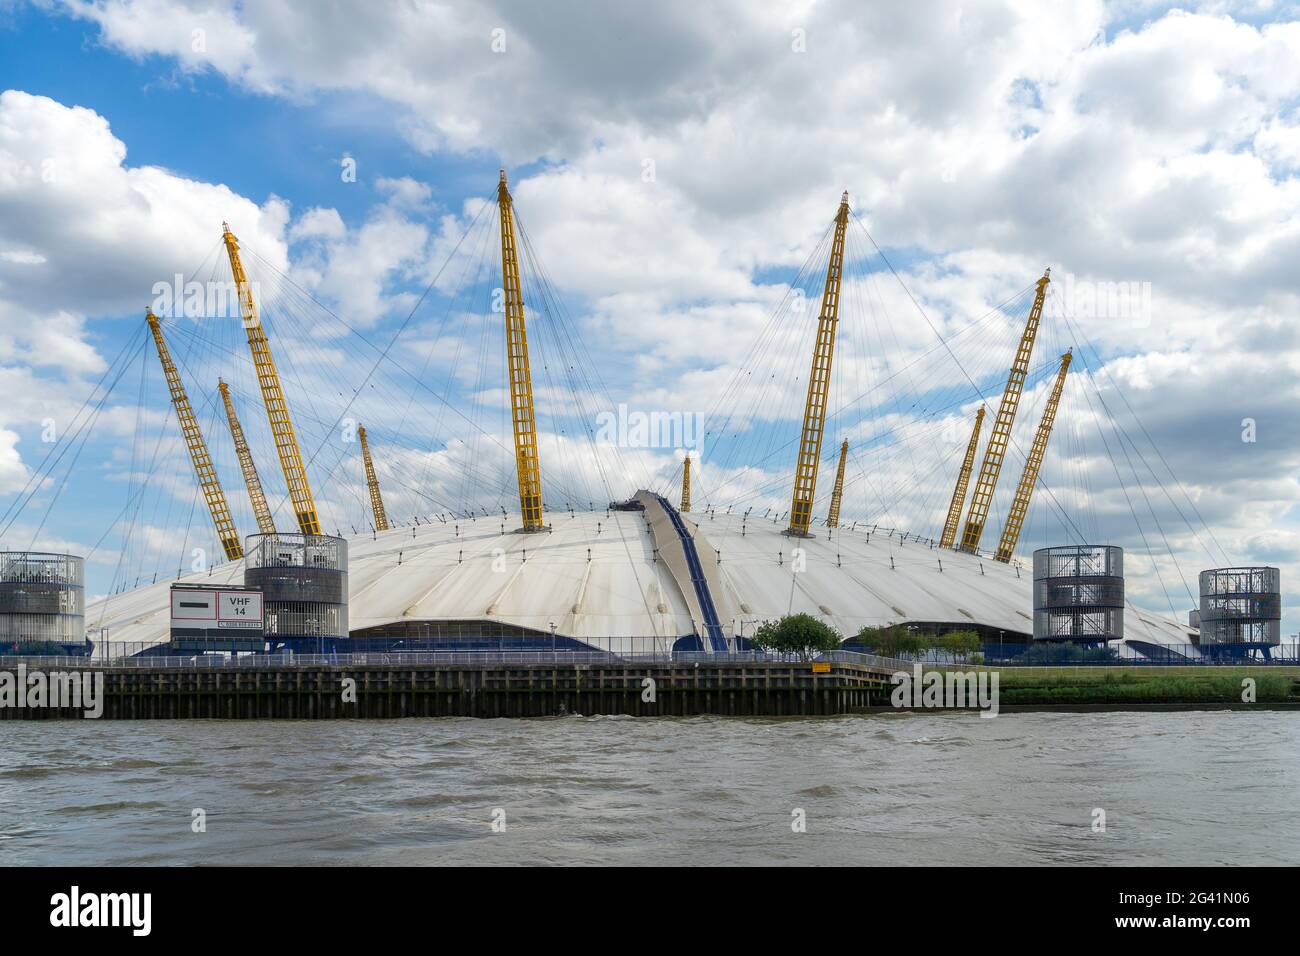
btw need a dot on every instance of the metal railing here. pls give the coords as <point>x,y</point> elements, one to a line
<point>1064,654</point>
<point>408,658</point>
<point>634,651</point>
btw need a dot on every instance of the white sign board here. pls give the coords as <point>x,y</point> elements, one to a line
<point>235,610</point>
<point>239,609</point>
<point>194,605</point>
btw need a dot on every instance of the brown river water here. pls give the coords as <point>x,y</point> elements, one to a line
<point>950,788</point>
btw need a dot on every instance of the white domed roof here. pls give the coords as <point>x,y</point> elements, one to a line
<point>618,574</point>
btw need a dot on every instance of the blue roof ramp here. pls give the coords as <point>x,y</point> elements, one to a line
<point>712,628</point>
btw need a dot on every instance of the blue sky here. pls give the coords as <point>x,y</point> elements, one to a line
<point>191,123</point>
<point>673,178</point>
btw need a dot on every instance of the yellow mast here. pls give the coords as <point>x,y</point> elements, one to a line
<point>198,448</point>
<point>376,501</point>
<point>1020,506</point>
<point>686,485</point>
<point>837,493</point>
<point>277,412</point>
<point>1000,436</point>
<point>949,535</point>
<point>527,465</point>
<point>265,523</point>
<point>819,378</point>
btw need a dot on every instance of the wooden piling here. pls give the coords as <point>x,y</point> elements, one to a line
<point>282,690</point>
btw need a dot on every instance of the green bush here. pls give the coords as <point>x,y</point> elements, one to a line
<point>1064,652</point>
<point>800,634</point>
<point>1103,686</point>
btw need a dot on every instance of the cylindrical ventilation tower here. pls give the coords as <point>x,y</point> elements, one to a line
<point>1241,610</point>
<point>42,602</point>
<point>304,583</point>
<point>1079,593</point>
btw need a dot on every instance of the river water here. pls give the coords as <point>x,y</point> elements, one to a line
<point>952,788</point>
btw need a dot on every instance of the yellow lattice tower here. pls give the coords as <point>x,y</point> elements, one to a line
<point>686,485</point>
<point>198,448</point>
<point>376,500</point>
<point>1029,477</point>
<point>265,523</point>
<point>277,411</point>
<point>819,380</point>
<point>1000,436</point>
<point>949,536</point>
<point>527,465</point>
<point>837,493</point>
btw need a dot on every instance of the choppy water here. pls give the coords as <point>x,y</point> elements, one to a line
<point>1177,788</point>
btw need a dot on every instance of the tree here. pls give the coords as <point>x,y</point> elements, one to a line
<point>895,640</point>
<point>921,641</point>
<point>961,644</point>
<point>888,641</point>
<point>800,634</point>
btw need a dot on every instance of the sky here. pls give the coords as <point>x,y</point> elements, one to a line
<point>676,169</point>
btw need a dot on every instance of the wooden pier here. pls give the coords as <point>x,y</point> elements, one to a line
<point>293,691</point>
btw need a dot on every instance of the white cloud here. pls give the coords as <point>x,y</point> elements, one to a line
<point>14,475</point>
<point>103,231</point>
<point>86,235</point>
<point>1278,143</point>
<point>403,190</point>
<point>318,224</point>
<point>353,269</point>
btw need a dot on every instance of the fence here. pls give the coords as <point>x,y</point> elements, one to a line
<point>639,650</point>
<point>407,658</point>
<point>1041,654</point>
